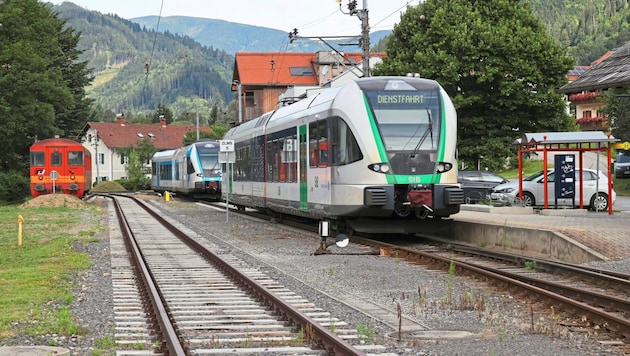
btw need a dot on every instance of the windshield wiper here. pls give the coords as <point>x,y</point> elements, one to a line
<point>427,132</point>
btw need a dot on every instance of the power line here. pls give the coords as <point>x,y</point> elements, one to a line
<point>147,66</point>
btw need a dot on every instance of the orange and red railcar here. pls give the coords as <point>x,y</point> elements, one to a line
<point>59,165</point>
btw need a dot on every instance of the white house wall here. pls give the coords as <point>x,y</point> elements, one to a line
<point>111,168</point>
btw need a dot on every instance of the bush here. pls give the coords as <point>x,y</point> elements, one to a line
<point>14,187</point>
<point>142,183</point>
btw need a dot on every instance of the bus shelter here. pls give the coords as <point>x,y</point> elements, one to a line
<point>578,142</point>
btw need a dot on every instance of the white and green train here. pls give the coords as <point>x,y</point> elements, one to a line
<point>378,148</point>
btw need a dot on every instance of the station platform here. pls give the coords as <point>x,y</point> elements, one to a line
<point>570,235</point>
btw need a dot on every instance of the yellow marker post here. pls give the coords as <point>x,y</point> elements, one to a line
<point>20,223</point>
<point>167,196</point>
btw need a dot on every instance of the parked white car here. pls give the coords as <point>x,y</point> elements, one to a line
<point>595,191</point>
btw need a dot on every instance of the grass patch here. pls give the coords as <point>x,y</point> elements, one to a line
<point>530,166</point>
<point>36,278</point>
<point>622,186</point>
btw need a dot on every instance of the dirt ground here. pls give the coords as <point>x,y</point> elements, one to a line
<point>54,201</point>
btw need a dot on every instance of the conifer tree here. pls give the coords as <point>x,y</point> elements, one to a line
<point>41,82</point>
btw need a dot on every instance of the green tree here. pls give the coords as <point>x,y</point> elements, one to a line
<point>495,60</point>
<point>137,158</point>
<point>41,81</point>
<point>617,110</point>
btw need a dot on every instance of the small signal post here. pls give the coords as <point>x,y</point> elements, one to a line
<point>227,156</point>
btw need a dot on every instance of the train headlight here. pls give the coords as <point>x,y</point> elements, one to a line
<point>40,177</point>
<point>444,167</point>
<point>379,167</point>
<point>71,177</point>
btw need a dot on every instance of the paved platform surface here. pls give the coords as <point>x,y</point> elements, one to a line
<point>609,235</point>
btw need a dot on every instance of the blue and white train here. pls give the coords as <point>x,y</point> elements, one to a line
<point>375,149</point>
<point>193,170</point>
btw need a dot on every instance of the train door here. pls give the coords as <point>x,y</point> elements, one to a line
<point>57,155</point>
<point>303,165</point>
<point>319,166</point>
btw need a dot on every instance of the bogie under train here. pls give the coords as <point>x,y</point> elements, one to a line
<point>378,147</point>
<point>193,170</point>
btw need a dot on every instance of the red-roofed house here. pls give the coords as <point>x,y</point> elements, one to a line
<point>263,78</point>
<point>104,139</point>
<point>584,97</point>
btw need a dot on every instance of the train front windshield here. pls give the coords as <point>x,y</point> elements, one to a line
<point>408,119</point>
<point>209,158</point>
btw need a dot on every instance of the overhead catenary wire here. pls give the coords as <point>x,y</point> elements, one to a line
<point>147,66</point>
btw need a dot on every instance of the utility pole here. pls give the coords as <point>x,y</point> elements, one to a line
<point>364,42</point>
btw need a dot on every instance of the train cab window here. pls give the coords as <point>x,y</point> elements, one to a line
<point>331,142</point>
<point>344,146</point>
<point>55,159</point>
<point>75,158</point>
<point>37,158</point>
<point>189,167</point>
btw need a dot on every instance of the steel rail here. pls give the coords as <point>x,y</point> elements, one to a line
<point>159,310</point>
<point>611,321</point>
<point>319,335</point>
<point>611,279</point>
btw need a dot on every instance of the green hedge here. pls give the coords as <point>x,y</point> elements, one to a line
<point>14,187</point>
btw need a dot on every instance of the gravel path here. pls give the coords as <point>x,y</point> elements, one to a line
<point>490,322</point>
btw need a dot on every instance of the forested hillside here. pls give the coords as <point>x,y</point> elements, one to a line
<point>137,69</point>
<point>589,28</point>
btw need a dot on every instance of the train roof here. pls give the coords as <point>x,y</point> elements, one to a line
<point>56,141</point>
<point>164,154</point>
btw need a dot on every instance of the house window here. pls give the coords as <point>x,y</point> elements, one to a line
<point>301,71</point>
<point>249,99</point>
<point>101,158</point>
<point>586,113</point>
<point>124,159</point>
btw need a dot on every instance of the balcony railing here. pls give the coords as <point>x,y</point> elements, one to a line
<point>590,120</point>
<point>583,97</point>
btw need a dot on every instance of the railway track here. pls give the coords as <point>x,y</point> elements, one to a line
<point>196,299</point>
<point>596,297</point>
<point>599,299</point>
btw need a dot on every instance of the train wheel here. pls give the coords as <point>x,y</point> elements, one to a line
<point>401,209</point>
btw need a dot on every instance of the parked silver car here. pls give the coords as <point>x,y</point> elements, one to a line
<point>595,190</point>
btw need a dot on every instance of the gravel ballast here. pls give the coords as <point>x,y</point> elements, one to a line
<point>483,320</point>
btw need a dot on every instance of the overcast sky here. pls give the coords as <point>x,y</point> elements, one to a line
<point>310,17</point>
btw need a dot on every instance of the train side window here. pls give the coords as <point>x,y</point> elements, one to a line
<point>38,158</point>
<point>288,169</point>
<point>75,158</point>
<point>318,144</point>
<point>55,159</point>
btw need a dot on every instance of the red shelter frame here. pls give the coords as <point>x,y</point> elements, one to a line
<point>565,141</point>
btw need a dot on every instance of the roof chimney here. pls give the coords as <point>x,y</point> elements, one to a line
<point>162,120</point>
<point>120,119</point>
